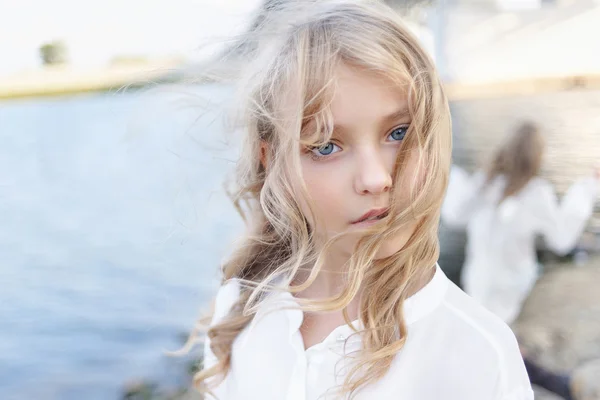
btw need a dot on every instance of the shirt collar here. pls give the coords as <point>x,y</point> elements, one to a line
<point>427,299</point>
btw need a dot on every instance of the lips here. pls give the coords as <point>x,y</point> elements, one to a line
<point>372,215</point>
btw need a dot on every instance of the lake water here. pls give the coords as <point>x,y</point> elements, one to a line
<point>113,223</point>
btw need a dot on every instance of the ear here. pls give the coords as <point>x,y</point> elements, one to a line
<point>264,154</point>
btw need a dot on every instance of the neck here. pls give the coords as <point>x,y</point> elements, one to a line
<point>420,281</point>
<point>331,280</point>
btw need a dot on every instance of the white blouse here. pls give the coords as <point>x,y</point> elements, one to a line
<point>501,264</point>
<point>455,350</point>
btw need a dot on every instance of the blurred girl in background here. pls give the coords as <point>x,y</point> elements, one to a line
<point>504,209</point>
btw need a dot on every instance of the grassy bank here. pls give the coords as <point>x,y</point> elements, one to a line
<point>521,87</point>
<point>62,80</point>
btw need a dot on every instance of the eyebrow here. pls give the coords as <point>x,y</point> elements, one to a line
<point>393,116</point>
<point>403,112</point>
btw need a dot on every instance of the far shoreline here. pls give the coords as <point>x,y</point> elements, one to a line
<point>65,80</point>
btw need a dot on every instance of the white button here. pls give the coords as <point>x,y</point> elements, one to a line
<point>341,338</point>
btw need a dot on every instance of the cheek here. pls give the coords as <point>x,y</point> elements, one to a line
<point>410,179</point>
<point>326,193</point>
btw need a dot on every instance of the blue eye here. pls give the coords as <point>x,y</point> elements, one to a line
<point>326,150</point>
<point>398,133</point>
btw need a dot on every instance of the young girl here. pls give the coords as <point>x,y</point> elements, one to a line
<point>335,292</point>
<point>504,209</point>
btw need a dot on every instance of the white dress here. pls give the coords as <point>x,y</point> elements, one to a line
<point>455,350</point>
<point>501,265</point>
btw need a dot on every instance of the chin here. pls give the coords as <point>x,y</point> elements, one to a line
<point>347,245</point>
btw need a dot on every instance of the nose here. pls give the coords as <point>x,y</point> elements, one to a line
<point>373,173</point>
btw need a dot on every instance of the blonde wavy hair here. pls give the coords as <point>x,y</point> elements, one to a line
<point>518,160</point>
<point>290,58</point>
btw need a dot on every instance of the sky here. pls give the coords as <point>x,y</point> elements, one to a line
<point>96,31</point>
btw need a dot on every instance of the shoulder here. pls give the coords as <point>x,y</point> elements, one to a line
<point>227,295</point>
<point>468,352</point>
<point>537,195</point>
<point>475,320</point>
<point>485,343</point>
<point>537,186</point>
